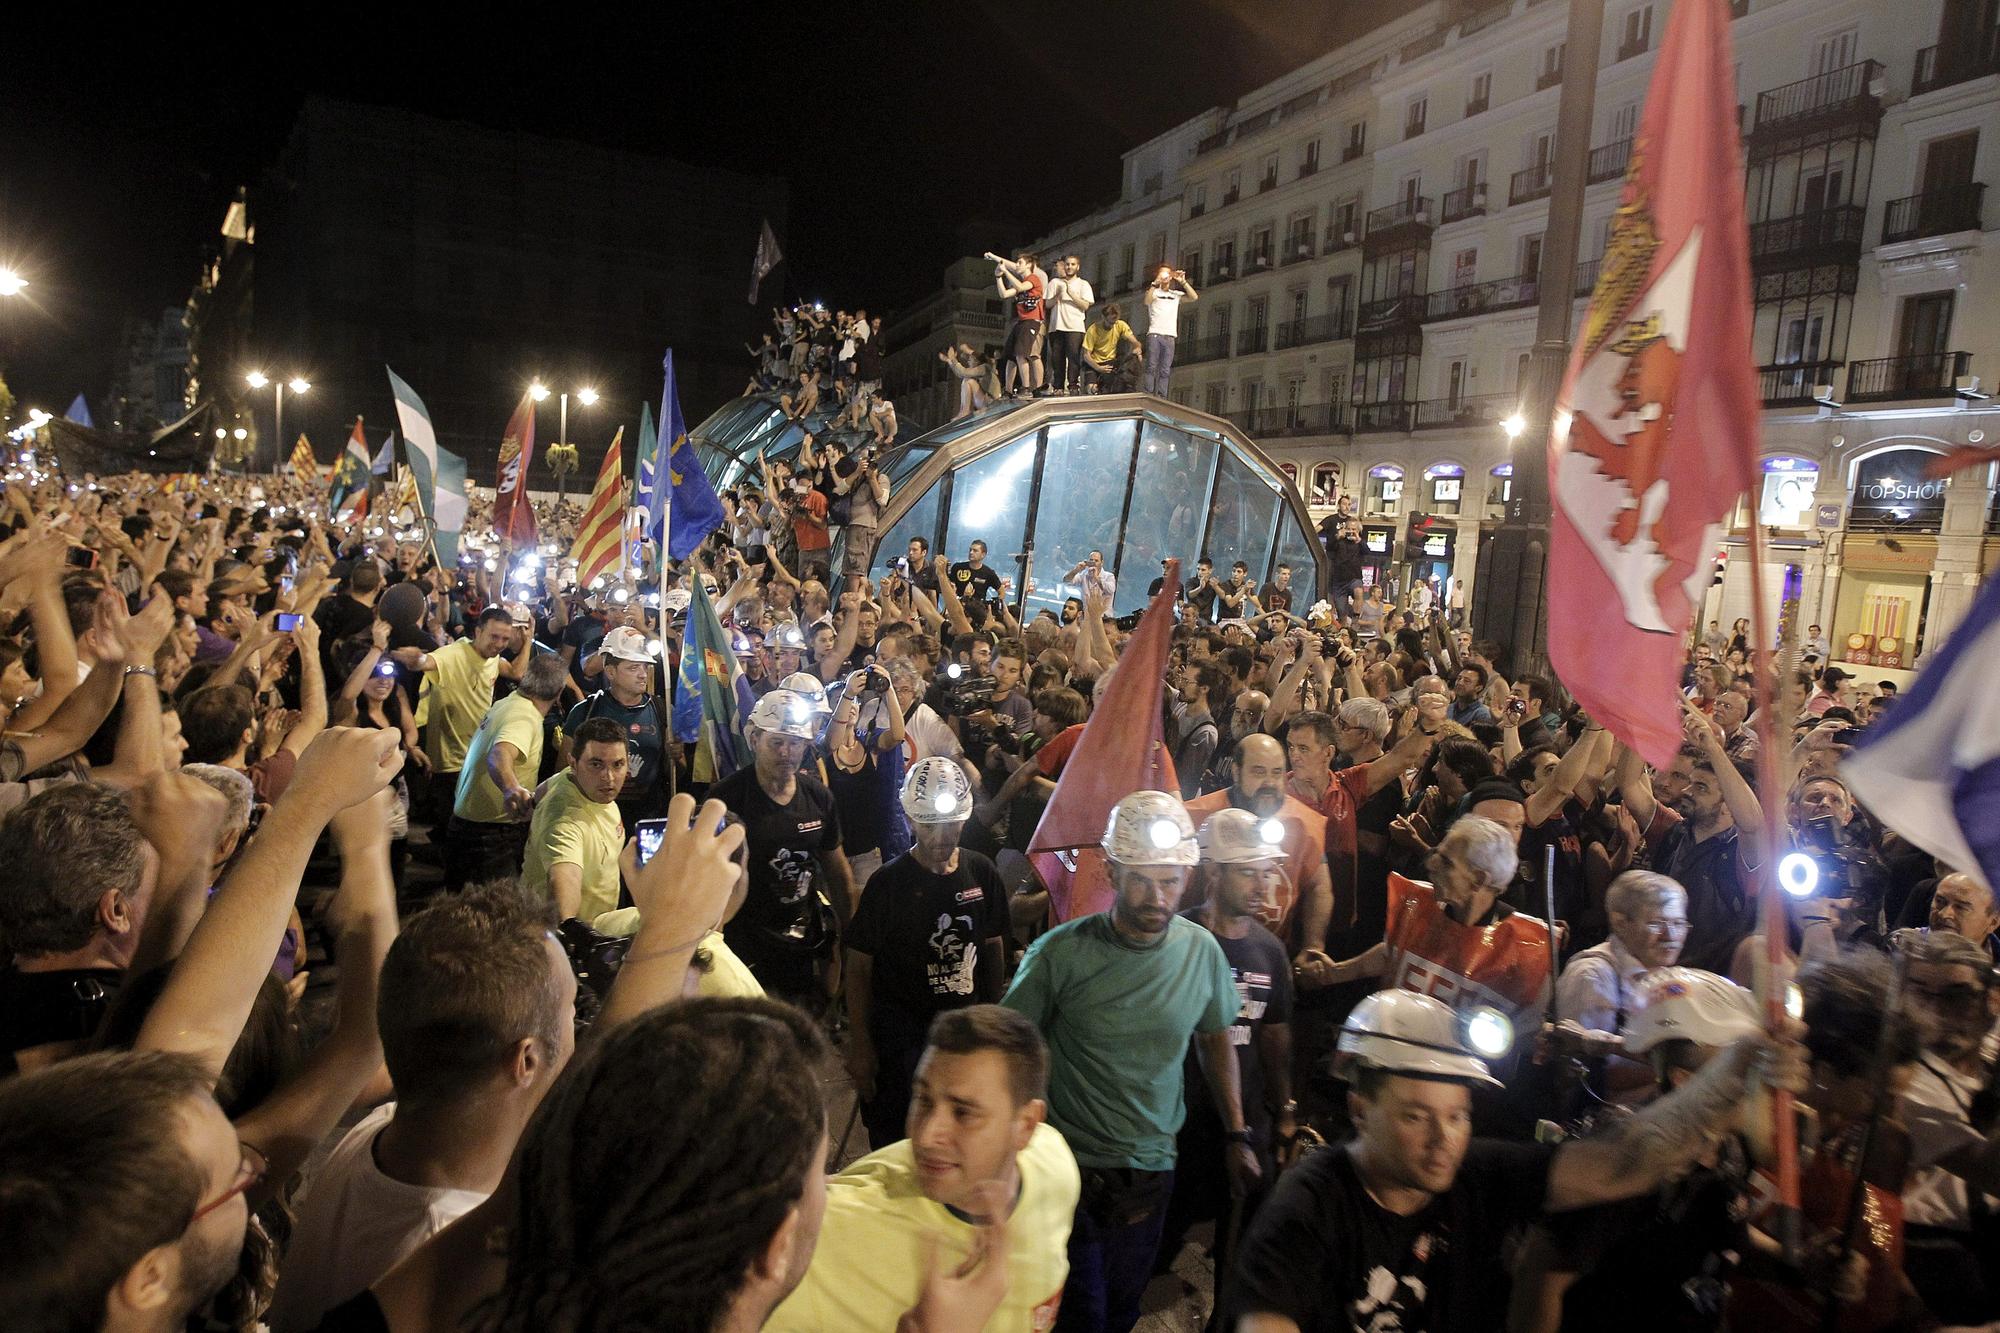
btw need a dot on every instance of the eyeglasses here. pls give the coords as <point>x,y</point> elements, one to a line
<point>249,1172</point>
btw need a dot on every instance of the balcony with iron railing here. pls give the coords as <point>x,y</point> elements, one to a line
<point>1942,66</point>
<point>1193,272</point>
<point>1531,183</point>
<point>1314,329</point>
<point>1464,410</point>
<point>1467,201</point>
<point>1370,418</point>
<point>1609,162</point>
<point>1257,261</point>
<point>1350,151</point>
<point>1824,235</point>
<point>1480,298</point>
<point>1823,99</point>
<point>1936,212</point>
<point>1289,419</point>
<point>1586,275</point>
<point>1298,248</point>
<point>1411,212</point>
<point>1895,378</point>
<point>1795,384</point>
<point>1196,210</point>
<point>1223,271</point>
<point>1253,340</point>
<point>1212,348</point>
<point>1338,240</point>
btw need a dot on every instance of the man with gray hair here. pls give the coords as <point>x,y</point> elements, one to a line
<point>1649,923</point>
<point>241,793</point>
<point>488,832</point>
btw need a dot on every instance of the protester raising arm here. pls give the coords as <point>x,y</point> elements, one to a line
<point>37,559</point>
<point>85,709</point>
<point>1547,800</point>
<point>288,1124</point>
<point>141,747</point>
<point>954,609</point>
<point>202,1010</point>
<point>1738,796</point>
<point>312,689</point>
<point>344,705</point>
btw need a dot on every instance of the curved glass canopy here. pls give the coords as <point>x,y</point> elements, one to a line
<point>1044,482</point>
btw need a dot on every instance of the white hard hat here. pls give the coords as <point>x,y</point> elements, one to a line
<point>1402,1032</point>
<point>1240,838</point>
<point>626,644</point>
<point>785,713</point>
<point>936,792</point>
<point>676,601</point>
<point>1150,828</point>
<point>1692,1005</point>
<point>788,635</point>
<point>809,688</point>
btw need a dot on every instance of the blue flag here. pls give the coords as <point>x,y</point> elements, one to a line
<point>79,412</point>
<point>685,509</point>
<point>705,703</point>
<point>385,457</point>
<point>1931,768</point>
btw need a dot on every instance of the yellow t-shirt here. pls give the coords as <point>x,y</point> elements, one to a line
<point>571,829</point>
<point>458,689</point>
<point>1102,341</point>
<point>726,978</point>
<point>869,1267</point>
<point>517,721</point>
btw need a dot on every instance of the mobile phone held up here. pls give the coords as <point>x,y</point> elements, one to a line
<point>288,621</point>
<point>651,831</point>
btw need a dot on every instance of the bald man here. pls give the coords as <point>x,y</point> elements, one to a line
<point>1964,906</point>
<point>1303,904</point>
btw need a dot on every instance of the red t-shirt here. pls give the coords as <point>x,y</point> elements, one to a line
<point>812,536</point>
<point>1051,757</point>
<point>1028,305</point>
<point>1305,853</point>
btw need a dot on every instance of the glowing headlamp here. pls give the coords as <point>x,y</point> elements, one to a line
<point>945,803</point>
<point>1271,832</point>
<point>1486,1031</point>
<point>1163,833</point>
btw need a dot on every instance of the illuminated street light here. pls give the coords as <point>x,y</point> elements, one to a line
<point>588,397</point>
<point>241,433</point>
<point>538,391</point>
<point>257,379</point>
<point>1514,425</point>
<point>561,455</point>
<point>12,283</point>
<point>297,384</point>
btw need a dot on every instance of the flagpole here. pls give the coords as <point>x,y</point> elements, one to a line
<point>1771,902</point>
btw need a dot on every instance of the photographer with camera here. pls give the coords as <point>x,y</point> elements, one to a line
<point>859,493</point>
<point>1023,282</point>
<point>1852,880</point>
<point>864,750</point>
<point>1164,295</point>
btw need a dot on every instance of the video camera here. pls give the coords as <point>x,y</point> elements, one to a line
<point>1828,863</point>
<point>965,691</point>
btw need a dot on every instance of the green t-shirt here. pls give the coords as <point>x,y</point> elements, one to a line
<point>1118,1019</point>
<point>571,829</point>
<point>458,689</point>
<point>517,721</point>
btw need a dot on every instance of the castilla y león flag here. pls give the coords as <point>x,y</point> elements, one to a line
<point>513,515</point>
<point>1656,429</point>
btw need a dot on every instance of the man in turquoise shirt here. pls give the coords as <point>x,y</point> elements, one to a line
<point>1118,996</point>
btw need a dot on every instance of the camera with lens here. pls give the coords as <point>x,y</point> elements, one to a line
<point>1829,862</point>
<point>964,690</point>
<point>875,683</point>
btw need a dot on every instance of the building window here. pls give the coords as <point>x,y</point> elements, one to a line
<point>1309,157</point>
<point>1552,65</point>
<point>1454,391</point>
<point>1638,32</point>
<point>1357,140</point>
<point>1126,256</point>
<point>1260,247</point>
<point>1836,50</point>
<point>1253,395</point>
<point>1297,299</point>
<point>1269,179</point>
<point>1216,399</point>
<point>1232,186</point>
<point>1480,95</point>
<point>1325,485</point>
<point>1156,250</point>
<point>1198,200</point>
<point>1413,117</point>
<point>1225,261</point>
<point>1465,267</point>
<point>1346,220</point>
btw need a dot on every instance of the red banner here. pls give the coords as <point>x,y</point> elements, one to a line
<point>1655,432</point>
<point>513,514</point>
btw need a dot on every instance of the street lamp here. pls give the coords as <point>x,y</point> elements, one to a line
<point>12,283</point>
<point>1514,424</point>
<point>562,454</point>
<point>298,384</point>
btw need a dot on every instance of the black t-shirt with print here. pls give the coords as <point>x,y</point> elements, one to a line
<point>646,766</point>
<point>785,842</point>
<point>1263,974</point>
<point>1324,1254</point>
<point>922,932</point>
<point>980,584</point>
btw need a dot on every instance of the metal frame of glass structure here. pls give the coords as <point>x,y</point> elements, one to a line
<point>1046,481</point>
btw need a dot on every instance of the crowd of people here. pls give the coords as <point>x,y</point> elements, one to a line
<point>379,956</point>
<point>826,369</point>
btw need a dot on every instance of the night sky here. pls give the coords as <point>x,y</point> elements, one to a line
<point>121,139</point>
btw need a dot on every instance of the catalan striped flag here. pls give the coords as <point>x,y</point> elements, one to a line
<point>599,536</point>
<point>303,462</point>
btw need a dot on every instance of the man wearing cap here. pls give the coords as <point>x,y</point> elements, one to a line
<point>495,795</point>
<point>927,936</point>
<point>786,932</point>
<point>1118,995</point>
<point>1243,857</point>
<point>628,700</point>
<point>1405,1225</point>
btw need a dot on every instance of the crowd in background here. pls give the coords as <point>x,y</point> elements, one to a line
<point>370,965</point>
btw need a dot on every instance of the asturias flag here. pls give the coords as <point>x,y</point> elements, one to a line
<point>350,470</point>
<point>685,509</point>
<point>705,710</point>
<point>1656,428</point>
<point>1931,769</point>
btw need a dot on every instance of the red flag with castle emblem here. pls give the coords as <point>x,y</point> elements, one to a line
<point>1656,429</point>
<point>513,515</point>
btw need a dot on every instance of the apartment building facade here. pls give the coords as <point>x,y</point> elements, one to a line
<point>1366,235</point>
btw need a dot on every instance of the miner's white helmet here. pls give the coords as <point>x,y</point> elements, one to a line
<point>1150,828</point>
<point>936,792</point>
